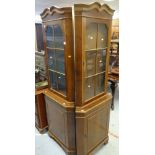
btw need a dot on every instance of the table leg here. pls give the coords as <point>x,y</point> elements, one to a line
<point>113,87</point>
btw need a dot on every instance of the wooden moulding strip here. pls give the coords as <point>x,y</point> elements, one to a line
<point>45,21</point>
<point>94,17</point>
<point>37,92</point>
<point>62,102</point>
<point>94,6</point>
<point>94,104</point>
<point>55,10</point>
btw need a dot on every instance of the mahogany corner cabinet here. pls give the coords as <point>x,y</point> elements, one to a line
<point>77,43</point>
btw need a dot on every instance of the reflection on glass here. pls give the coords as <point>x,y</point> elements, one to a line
<point>51,59</point>
<point>58,37</point>
<point>58,82</point>
<point>55,40</point>
<point>53,80</point>
<point>61,84</point>
<point>100,83</point>
<point>49,37</point>
<point>101,60</point>
<point>95,57</point>
<point>89,87</point>
<point>60,61</point>
<point>90,62</point>
<point>102,36</point>
<point>91,34</point>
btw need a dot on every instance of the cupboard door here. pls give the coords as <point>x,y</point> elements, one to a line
<point>95,58</point>
<point>56,57</point>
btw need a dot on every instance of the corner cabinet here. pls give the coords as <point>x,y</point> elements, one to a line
<point>77,42</point>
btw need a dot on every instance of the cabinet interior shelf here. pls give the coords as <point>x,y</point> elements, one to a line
<point>94,75</point>
<point>56,72</point>
<point>57,49</point>
<point>95,49</point>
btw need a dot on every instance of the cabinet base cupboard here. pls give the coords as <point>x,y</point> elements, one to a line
<point>85,126</point>
<point>77,44</point>
<point>92,124</point>
<point>61,120</point>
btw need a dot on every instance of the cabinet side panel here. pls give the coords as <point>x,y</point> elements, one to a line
<point>78,60</point>
<point>69,58</point>
<point>71,129</point>
<point>81,137</point>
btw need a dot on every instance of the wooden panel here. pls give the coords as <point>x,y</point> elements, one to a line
<point>97,123</point>
<point>56,119</point>
<point>69,59</point>
<point>92,123</point>
<point>61,121</point>
<point>78,59</point>
<point>40,109</point>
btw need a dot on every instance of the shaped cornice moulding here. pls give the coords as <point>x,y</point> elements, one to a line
<point>78,7</point>
<point>95,5</point>
<point>52,10</point>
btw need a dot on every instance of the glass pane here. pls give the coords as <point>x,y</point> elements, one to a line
<point>90,62</point>
<point>100,83</point>
<point>101,61</point>
<point>61,84</point>
<point>51,59</point>
<point>60,61</point>
<point>91,34</point>
<point>49,37</point>
<point>58,37</point>
<point>58,82</point>
<point>53,80</point>
<point>89,88</point>
<point>102,36</point>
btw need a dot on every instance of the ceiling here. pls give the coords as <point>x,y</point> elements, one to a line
<point>40,5</point>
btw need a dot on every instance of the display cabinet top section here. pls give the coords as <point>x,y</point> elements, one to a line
<point>91,10</point>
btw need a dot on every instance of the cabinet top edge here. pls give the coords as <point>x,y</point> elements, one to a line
<point>92,6</point>
<point>77,8</point>
<point>52,10</point>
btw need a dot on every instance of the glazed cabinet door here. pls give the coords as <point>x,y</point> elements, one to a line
<point>95,55</point>
<point>55,47</point>
<point>58,40</point>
